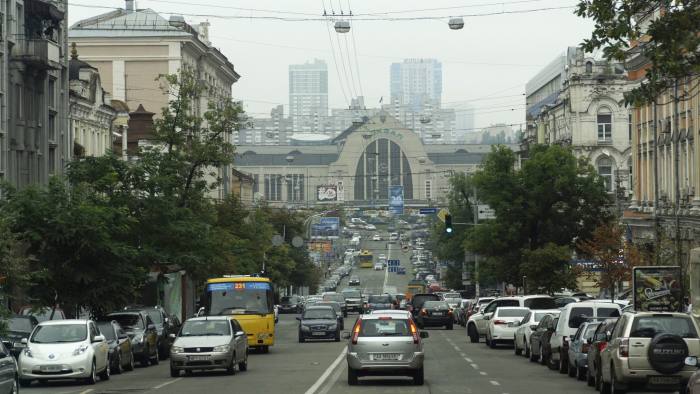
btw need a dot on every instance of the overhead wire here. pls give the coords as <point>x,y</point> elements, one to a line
<point>335,60</point>
<point>347,51</point>
<point>354,49</point>
<point>351,88</point>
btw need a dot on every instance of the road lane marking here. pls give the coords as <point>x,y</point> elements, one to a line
<point>326,373</point>
<point>469,360</point>
<point>456,348</point>
<point>87,391</point>
<point>474,366</point>
<point>160,386</point>
<point>386,270</point>
<point>483,373</point>
<point>463,355</point>
<point>495,383</point>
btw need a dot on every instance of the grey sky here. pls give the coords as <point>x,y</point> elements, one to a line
<point>492,57</point>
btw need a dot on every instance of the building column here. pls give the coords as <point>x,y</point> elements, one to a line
<point>696,171</point>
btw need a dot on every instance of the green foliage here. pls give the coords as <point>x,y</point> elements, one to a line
<point>670,40</point>
<point>548,270</point>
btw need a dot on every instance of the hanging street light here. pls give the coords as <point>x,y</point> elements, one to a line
<point>342,26</point>
<point>456,23</point>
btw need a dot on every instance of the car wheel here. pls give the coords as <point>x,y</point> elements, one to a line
<point>605,387</point>
<point>337,336</point>
<point>130,365</point>
<point>25,383</point>
<point>104,375</point>
<point>598,379</point>
<point>118,364</point>
<point>590,379</point>
<point>243,365</point>
<point>526,353</point>
<point>174,372</point>
<point>145,358</point>
<point>542,358</point>
<point>15,387</point>
<point>581,373</point>
<point>231,369</point>
<point>518,351</point>
<point>419,377</point>
<point>92,379</point>
<point>352,377</point>
<point>301,338</point>
<point>563,365</point>
<point>266,349</point>
<point>614,386</point>
<point>572,370</point>
<point>188,372</point>
<point>450,326</point>
<point>473,335</point>
<point>155,359</point>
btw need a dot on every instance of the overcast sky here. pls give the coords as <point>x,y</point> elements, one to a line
<point>485,65</point>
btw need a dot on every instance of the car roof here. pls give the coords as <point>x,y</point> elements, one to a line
<point>586,304</point>
<point>552,311</point>
<point>317,306</point>
<point>390,312</point>
<point>377,316</point>
<point>127,312</point>
<point>62,322</point>
<point>677,314</point>
<point>207,318</point>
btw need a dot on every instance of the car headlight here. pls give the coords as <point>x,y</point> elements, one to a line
<point>305,328</point>
<point>28,352</point>
<point>222,348</point>
<point>332,327</point>
<point>176,349</point>
<point>80,350</point>
<point>138,338</point>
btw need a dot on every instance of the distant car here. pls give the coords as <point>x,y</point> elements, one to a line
<point>460,312</point>
<point>165,325</point>
<point>206,343</point>
<point>435,314</point>
<point>354,281</point>
<point>143,334</point>
<point>18,328</point>
<point>379,301</point>
<point>43,313</point>
<point>598,342</point>
<point>9,373</point>
<point>527,325</point>
<point>319,322</point>
<point>503,324</point>
<point>377,237</point>
<point>539,339</point>
<point>121,358</point>
<point>353,300</point>
<point>385,344</point>
<point>339,298</point>
<point>578,349</point>
<point>45,356</point>
<point>290,304</point>
<point>378,266</point>
<point>416,302</point>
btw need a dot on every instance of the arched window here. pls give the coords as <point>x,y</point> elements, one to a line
<point>604,120</point>
<point>605,170</point>
<point>382,164</point>
<point>589,67</point>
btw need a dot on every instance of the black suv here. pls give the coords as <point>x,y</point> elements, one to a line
<point>418,300</point>
<point>165,325</point>
<point>143,334</point>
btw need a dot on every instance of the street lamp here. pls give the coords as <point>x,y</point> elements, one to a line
<point>524,284</point>
<point>456,23</point>
<point>342,26</point>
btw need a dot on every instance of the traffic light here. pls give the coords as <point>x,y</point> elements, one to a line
<point>448,223</point>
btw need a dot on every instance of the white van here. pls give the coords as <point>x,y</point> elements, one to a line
<point>479,322</point>
<point>569,321</point>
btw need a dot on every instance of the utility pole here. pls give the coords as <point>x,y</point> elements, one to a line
<point>677,209</point>
<point>476,255</point>
<point>657,231</point>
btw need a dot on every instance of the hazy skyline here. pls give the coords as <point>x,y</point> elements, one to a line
<point>486,64</point>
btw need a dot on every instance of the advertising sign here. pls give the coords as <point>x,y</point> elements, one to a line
<point>396,200</point>
<point>656,288</point>
<point>327,193</point>
<point>326,227</point>
<point>340,189</point>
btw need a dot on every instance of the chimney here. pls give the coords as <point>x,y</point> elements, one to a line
<point>129,6</point>
<point>204,31</point>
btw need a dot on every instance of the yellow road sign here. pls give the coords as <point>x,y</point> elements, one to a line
<point>442,213</point>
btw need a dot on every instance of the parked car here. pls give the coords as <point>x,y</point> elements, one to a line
<point>650,350</point>
<point>460,312</point>
<point>338,311</point>
<point>319,322</point>
<point>43,313</point>
<point>502,325</point>
<point>143,335</point>
<point>478,304</point>
<point>18,328</point>
<point>539,339</point>
<point>9,373</point>
<point>435,314</point>
<point>478,323</point>
<point>597,343</point>
<point>290,304</point>
<point>165,325</point>
<point>578,349</point>
<point>64,349</point>
<point>206,343</point>
<point>387,345</point>
<point>521,339</point>
<point>569,322</point>
<point>121,358</point>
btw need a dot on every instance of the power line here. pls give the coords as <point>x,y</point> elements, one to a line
<point>335,60</point>
<point>354,49</point>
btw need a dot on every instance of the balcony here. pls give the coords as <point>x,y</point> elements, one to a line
<point>39,53</point>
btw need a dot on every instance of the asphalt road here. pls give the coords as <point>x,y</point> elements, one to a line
<point>452,365</point>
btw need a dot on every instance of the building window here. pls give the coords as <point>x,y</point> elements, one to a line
<point>19,103</point>
<point>629,127</point>
<point>52,93</point>
<point>52,127</point>
<point>428,189</point>
<point>256,184</point>
<point>52,160</point>
<point>589,67</point>
<point>605,170</point>
<point>604,125</point>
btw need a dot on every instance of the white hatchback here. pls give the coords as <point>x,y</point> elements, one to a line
<point>503,323</point>
<point>64,349</point>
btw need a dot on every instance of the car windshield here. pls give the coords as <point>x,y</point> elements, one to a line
<point>20,324</point>
<point>155,315</point>
<point>435,304</point>
<point>540,303</point>
<point>511,312</point>
<point>379,299</point>
<point>200,328</point>
<point>59,333</point>
<point>384,327</point>
<point>352,294</point>
<point>107,330</point>
<point>232,298</point>
<point>650,326</point>
<point>451,295</point>
<point>128,321</point>
<point>325,313</point>
<point>590,330</point>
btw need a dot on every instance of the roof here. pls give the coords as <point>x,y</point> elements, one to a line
<point>239,279</point>
<point>121,23</point>
<point>74,67</point>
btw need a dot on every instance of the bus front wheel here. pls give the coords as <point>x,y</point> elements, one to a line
<point>265,349</point>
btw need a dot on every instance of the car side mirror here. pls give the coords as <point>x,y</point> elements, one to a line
<point>172,336</point>
<point>424,334</point>
<point>166,320</point>
<point>24,341</point>
<point>533,327</point>
<point>346,335</point>
<point>98,338</point>
<point>240,334</point>
<point>298,318</point>
<point>487,317</point>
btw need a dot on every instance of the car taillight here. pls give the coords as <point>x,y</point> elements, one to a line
<point>449,312</point>
<point>624,349</point>
<point>500,322</point>
<point>423,312</point>
<point>602,346</point>
<point>414,332</point>
<point>584,348</point>
<point>356,332</point>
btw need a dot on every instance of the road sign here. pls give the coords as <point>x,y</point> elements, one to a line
<point>393,269</point>
<point>485,212</point>
<point>428,211</point>
<point>393,263</point>
<point>442,213</point>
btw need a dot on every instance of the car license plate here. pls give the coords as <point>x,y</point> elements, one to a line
<point>318,333</point>
<point>384,356</point>
<point>50,368</point>
<point>199,358</point>
<point>437,313</point>
<point>665,380</point>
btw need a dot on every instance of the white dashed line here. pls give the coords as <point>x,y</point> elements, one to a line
<point>160,386</point>
<point>87,391</point>
<point>463,355</point>
<point>474,366</point>
<point>495,383</point>
<point>456,348</point>
<point>482,373</point>
<point>469,360</point>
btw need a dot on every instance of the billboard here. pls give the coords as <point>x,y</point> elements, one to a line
<point>326,227</point>
<point>656,288</point>
<point>327,193</point>
<point>396,200</point>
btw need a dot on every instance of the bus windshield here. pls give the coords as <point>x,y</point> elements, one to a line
<point>236,298</point>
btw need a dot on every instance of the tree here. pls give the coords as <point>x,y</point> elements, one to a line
<point>668,29</point>
<point>611,255</point>
<point>554,198</point>
<point>548,269</point>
